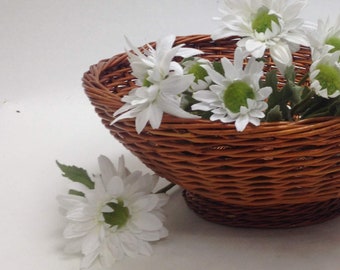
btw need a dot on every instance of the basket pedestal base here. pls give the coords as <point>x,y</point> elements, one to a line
<point>277,216</point>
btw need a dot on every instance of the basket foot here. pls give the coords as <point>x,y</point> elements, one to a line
<point>272,217</point>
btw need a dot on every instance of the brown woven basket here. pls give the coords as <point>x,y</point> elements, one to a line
<point>277,175</point>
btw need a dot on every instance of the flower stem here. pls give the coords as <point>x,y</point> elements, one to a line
<point>166,188</point>
<point>304,105</point>
<point>303,79</point>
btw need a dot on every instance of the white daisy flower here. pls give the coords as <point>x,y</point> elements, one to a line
<point>326,35</point>
<point>118,217</point>
<point>235,96</point>
<point>194,66</point>
<point>325,75</point>
<point>147,104</point>
<point>161,81</point>
<point>264,24</point>
<point>153,65</point>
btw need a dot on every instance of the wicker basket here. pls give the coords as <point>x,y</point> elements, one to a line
<point>277,175</point>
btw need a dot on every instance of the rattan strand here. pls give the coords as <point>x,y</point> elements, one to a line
<point>273,164</point>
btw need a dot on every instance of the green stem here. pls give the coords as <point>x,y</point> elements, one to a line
<point>314,115</point>
<point>303,105</point>
<point>321,107</point>
<point>166,188</point>
<point>303,79</point>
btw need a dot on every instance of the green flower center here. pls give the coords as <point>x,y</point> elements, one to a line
<point>146,83</point>
<point>236,95</point>
<point>199,72</point>
<point>329,78</point>
<point>119,216</point>
<point>263,20</point>
<point>334,41</point>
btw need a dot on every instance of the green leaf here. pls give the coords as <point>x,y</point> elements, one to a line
<point>218,67</point>
<point>198,71</point>
<point>319,106</point>
<point>290,73</point>
<point>76,174</point>
<point>335,107</point>
<point>187,101</point>
<point>75,192</point>
<point>271,80</point>
<point>297,93</point>
<point>274,114</point>
<point>277,101</point>
<point>307,97</point>
<point>261,59</point>
<point>276,96</point>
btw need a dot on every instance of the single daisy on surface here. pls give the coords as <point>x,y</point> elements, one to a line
<point>325,75</point>
<point>235,96</point>
<point>161,80</point>
<point>113,214</point>
<point>265,24</point>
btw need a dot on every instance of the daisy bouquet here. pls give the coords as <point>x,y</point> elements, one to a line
<point>181,82</point>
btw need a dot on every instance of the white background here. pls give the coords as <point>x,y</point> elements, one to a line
<point>45,116</point>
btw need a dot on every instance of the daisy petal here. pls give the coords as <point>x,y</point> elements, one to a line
<point>74,229</point>
<point>172,107</point>
<point>115,186</point>
<point>281,55</point>
<point>88,260</point>
<point>241,122</point>
<point>106,168</point>
<point>147,221</point>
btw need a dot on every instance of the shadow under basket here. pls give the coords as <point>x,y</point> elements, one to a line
<point>276,175</point>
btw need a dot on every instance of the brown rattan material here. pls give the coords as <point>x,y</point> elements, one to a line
<point>273,217</point>
<point>276,165</point>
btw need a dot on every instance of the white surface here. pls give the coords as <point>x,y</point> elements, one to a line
<point>46,45</point>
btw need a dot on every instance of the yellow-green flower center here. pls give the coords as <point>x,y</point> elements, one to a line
<point>199,72</point>
<point>329,78</point>
<point>119,216</point>
<point>334,41</point>
<point>236,95</point>
<point>146,83</point>
<point>263,20</point>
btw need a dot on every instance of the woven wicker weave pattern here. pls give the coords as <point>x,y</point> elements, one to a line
<point>273,164</point>
<point>273,217</point>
